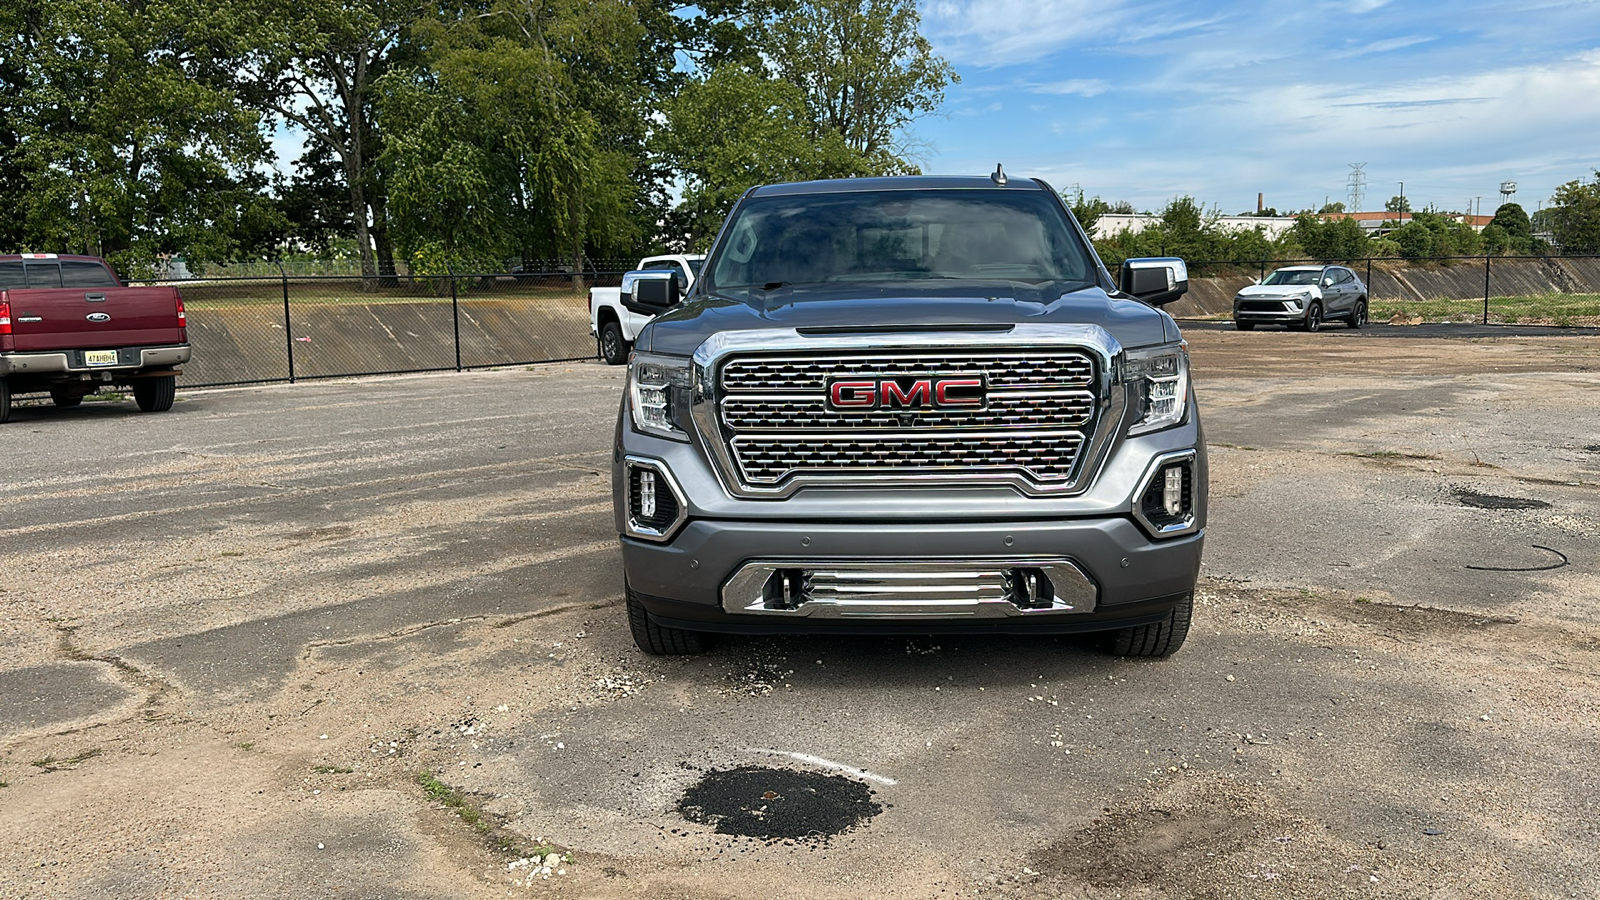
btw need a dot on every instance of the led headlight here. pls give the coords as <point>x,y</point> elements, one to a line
<point>658,389</point>
<point>1158,382</point>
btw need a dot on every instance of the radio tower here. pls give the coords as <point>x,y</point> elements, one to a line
<point>1357,185</point>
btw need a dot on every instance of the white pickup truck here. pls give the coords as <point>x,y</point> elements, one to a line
<point>615,320</point>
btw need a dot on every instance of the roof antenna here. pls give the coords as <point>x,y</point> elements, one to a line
<point>999,176</point>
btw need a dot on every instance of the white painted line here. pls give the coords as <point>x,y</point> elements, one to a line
<point>821,763</point>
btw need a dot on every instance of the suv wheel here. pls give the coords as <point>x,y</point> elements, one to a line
<point>613,349</point>
<point>660,640</point>
<point>1314,317</point>
<point>5,400</point>
<point>1161,638</point>
<point>1358,316</point>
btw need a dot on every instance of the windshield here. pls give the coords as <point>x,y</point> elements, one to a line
<point>1294,276</point>
<point>988,235</point>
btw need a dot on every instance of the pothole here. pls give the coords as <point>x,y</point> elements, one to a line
<point>1490,501</point>
<point>778,804</point>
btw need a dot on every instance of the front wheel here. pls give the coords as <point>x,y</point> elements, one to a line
<point>1314,317</point>
<point>660,640</point>
<point>613,349</point>
<point>1358,316</point>
<point>1161,638</point>
<point>155,394</point>
<point>5,400</point>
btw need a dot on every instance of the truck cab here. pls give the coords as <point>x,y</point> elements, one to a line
<point>615,319</point>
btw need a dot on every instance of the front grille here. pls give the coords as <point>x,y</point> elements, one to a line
<point>1040,410</point>
<point>1261,306</point>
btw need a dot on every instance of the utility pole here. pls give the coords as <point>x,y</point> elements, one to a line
<point>1401,212</point>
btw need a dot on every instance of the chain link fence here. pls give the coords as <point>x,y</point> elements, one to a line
<point>1487,290</point>
<point>289,328</point>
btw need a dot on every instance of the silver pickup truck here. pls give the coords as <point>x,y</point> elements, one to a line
<point>911,405</point>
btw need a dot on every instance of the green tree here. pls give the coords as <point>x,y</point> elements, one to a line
<point>126,133</point>
<point>1337,238</point>
<point>863,67</point>
<point>1397,204</point>
<point>1574,216</point>
<point>315,64</point>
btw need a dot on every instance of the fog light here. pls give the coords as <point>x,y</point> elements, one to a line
<point>647,493</point>
<point>1172,491</point>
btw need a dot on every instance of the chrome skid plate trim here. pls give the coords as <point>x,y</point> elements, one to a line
<point>981,588</point>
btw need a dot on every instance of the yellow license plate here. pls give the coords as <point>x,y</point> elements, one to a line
<point>99,357</point>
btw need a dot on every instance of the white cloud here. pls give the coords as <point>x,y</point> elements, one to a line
<point>1082,87</point>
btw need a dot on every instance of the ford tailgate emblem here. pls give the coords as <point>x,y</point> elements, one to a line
<point>98,317</point>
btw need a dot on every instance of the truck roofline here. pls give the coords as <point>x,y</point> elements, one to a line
<point>895,183</point>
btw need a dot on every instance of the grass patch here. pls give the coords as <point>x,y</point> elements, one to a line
<point>498,836</point>
<point>106,397</point>
<point>246,745</point>
<point>1532,309</point>
<point>51,764</point>
<point>330,770</point>
<point>1231,446</point>
<point>232,553</point>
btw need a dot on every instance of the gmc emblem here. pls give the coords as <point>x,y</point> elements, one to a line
<point>908,392</point>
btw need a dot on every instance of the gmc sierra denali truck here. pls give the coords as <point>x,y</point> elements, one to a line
<point>69,327</point>
<point>911,405</point>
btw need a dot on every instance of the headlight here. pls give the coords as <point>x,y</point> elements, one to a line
<point>1158,382</point>
<point>658,390</point>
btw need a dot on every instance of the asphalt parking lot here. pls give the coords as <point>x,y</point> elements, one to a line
<point>238,632</point>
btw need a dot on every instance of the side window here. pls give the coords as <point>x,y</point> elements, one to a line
<point>77,273</point>
<point>11,275</point>
<point>44,275</point>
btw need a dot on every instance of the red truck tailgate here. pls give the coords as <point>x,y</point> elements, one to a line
<point>86,318</point>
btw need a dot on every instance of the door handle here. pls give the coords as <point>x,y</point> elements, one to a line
<point>95,298</point>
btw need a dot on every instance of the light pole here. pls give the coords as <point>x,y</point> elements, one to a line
<point>1402,209</point>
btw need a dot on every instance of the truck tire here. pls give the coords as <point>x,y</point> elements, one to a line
<point>5,400</point>
<point>1244,326</point>
<point>660,640</point>
<point>65,399</point>
<point>613,349</point>
<point>155,394</point>
<point>1161,638</point>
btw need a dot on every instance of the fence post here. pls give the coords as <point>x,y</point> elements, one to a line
<point>1486,258</point>
<point>1263,275</point>
<point>1369,282</point>
<point>455,312</point>
<point>288,326</point>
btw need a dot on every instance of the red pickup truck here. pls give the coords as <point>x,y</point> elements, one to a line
<point>69,327</point>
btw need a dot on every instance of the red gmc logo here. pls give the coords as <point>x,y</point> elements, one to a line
<point>906,393</point>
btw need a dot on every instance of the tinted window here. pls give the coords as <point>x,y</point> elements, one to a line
<point>85,274</point>
<point>44,275</point>
<point>11,275</point>
<point>1293,276</point>
<point>980,235</point>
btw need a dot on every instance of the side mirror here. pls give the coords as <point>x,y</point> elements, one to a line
<point>1155,280</point>
<point>651,291</point>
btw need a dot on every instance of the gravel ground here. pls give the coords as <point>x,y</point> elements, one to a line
<point>240,630</point>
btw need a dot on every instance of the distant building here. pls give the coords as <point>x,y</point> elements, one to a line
<point>1116,223</point>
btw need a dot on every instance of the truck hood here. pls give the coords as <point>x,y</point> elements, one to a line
<point>681,331</point>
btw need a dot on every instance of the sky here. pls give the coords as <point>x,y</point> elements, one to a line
<point>1148,100</point>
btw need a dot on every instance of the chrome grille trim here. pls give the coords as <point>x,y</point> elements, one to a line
<point>1079,365</point>
<point>1043,457</point>
<point>983,587</point>
<point>1006,409</point>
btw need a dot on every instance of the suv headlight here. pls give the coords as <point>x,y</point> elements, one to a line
<point>658,393</point>
<point>1158,382</point>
